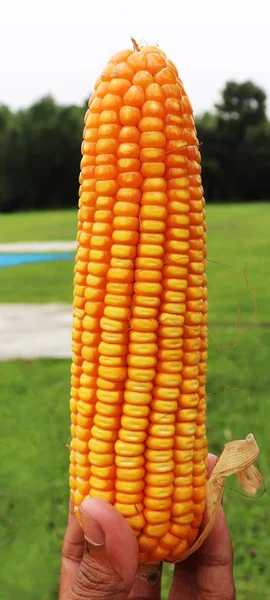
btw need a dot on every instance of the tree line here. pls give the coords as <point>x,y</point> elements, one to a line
<point>40,151</point>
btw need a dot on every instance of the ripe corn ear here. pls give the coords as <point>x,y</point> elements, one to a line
<point>140,307</point>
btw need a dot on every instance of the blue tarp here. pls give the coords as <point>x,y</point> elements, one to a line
<point>11,260</point>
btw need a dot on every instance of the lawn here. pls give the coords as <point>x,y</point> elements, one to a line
<point>38,226</point>
<point>38,282</point>
<point>34,408</point>
<point>238,235</point>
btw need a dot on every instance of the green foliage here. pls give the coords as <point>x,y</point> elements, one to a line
<point>40,151</point>
<point>244,103</point>
<point>236,145</point>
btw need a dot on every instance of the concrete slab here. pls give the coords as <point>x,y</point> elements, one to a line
<point>31,331</point>
<point>53,246</point>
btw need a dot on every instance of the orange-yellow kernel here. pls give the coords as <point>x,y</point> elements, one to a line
<point>108,116</point>
<point>129,510</point>
<point>146,544</point>
<point>101,446</point>
<point>130,474</point>
<point>158,554</point>
<point>129,487</point>
<point>101,460</point>
<point>152,139</point>
<point>122,69</point>
<point>137,61</point>
<point>137,399</point>
<point>129,115</point>
<point>111,102</point>
<point>151,124</point>
<point>83,472</point>
<point>157,503</point>
<point>132,437</point>
<point>160,443</point>
<point>162,467</point>
<point>127,449</point>
<point>157,530</point>
<point>142,78</point>
<point>107,146</point>
<point>137,522</point>
<point>153,108</point>
<point>78,497</point>
<point>104,472</point>
<point>134,410</point>
<point>141,375</point>
<point>169,541</point>
<point>154,92</point>
<point>101,484</point>
<point>181,531</point>
<point>159,479</point>
<point>120,56</point>
<point>118,85</point>
<point>134,96</point>
<point>128,498</point>
<point>129,462</point>
<point>108,496</point>
<point>184,519</point>
<point>176,553</point>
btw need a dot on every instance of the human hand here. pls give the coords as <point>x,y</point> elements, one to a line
<point>101,562</point>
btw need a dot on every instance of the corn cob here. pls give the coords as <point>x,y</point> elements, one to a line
<point>140,307</point>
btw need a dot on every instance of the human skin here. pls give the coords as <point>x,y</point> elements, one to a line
<point>100,561</point>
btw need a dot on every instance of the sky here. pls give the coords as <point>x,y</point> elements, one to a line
<point>59,47</point>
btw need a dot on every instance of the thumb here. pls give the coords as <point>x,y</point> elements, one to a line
<point>110,560</point>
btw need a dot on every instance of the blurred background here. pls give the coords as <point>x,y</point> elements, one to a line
<point>52,52</point>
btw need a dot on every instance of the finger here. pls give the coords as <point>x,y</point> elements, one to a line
<point>217,548</point>
<point>110,558</point>
<point>215,561</point>
<point>72,551</point>
<point>208,572</point>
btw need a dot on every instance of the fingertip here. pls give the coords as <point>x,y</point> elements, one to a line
<point>212,460</point>
<point>212,456</point>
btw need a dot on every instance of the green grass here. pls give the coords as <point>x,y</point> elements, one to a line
<point>38,282</point>
<point>34,474</point>
<point>39,226</point>
<point>237,235</point>
<point>34,409</point>
<point>34,463</point>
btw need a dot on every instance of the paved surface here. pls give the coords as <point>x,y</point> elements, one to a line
<point>38,247</point>
<point>35,331</point>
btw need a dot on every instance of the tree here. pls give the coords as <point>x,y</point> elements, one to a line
<point>40,156</point>
<point>252,163</point>
<point>40,151</point>
<point>243,106</point>
<point>242,103</point>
